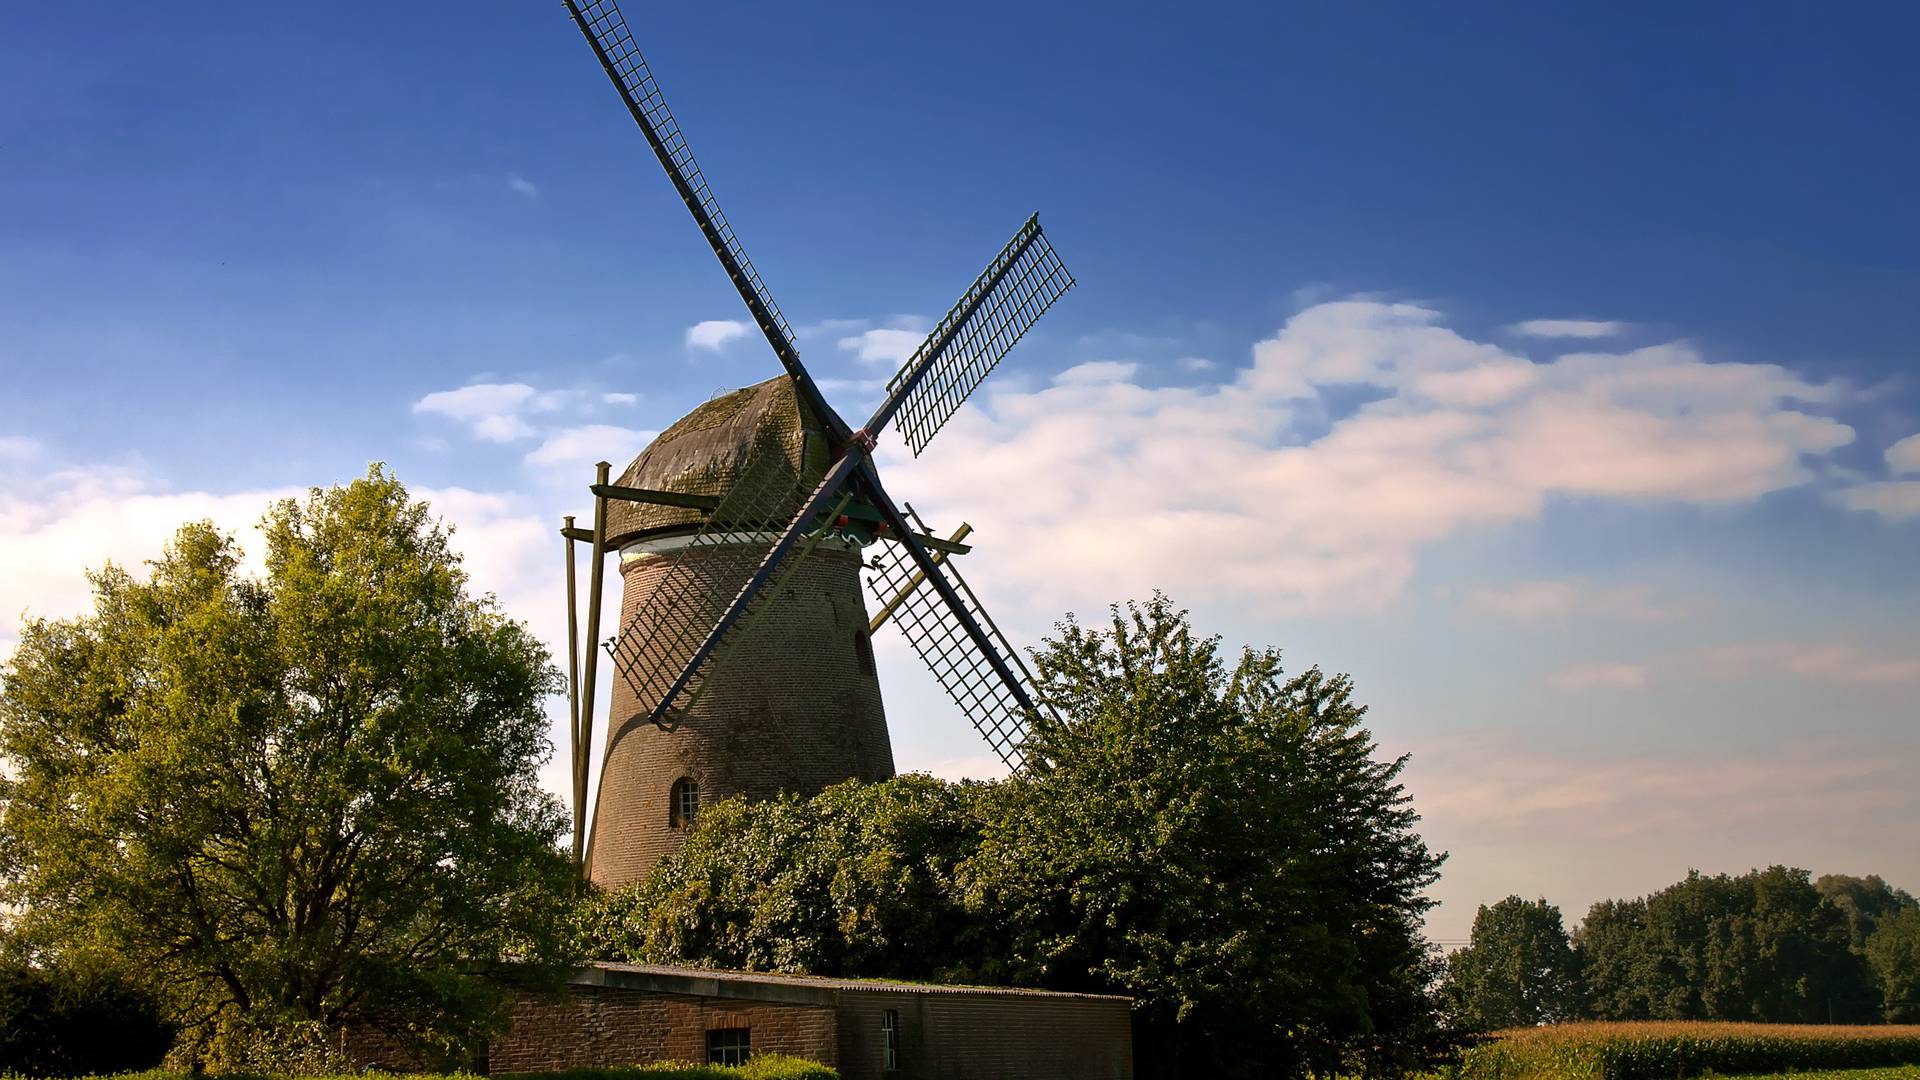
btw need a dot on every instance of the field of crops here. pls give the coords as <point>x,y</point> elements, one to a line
<point>1671,1051</point>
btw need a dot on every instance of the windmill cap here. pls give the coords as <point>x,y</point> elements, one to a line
<point>760,429</point>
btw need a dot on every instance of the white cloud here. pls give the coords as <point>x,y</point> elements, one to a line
<point>886,346</point>
<point>1600,677</point>
<point>714,334</point>
<point>520,185</point>
<point>1096,371</point>
<point>1567,328</point>
<point>1903,457</point>
<point>1245,490</point>
<point>1195,363</point>
<point>1897,500</point>
<point>571,453</point>
<point>1538,600</point>
<point>19,448</point>
<point>492,411</point>
<point>619,398</point>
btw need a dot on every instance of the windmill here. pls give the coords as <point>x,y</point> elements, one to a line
<point>741,532</point>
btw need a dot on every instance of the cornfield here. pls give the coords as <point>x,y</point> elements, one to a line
<point>1663,1050</point>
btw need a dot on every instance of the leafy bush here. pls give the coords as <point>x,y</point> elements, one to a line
<point>1666,1050</point>
<point>57,1023</point>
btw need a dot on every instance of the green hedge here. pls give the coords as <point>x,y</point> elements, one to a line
<point>1667,1051</point>
<point>762,1067</point>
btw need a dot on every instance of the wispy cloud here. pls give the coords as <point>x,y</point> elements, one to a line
<point>1195,363</point>
<point>572,452</point>
<point>1538,600</point>
<point>1568,328</point>
<point>617,398</point>
<point>18,448</point>
<point>522,186</point>
<point>1256,496</point>
<point>1903,457</point>
<point>1600,676</point>
<point>1832,663</point>
<point>494,412</point>
<point>889,345</point>
<point>714,334</point>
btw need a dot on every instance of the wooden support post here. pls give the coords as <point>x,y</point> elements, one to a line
<point>590,668</point>
<point>573,698</point>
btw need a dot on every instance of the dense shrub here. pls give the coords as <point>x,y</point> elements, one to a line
<point>1667,1050</point>
<point>56,1023</point>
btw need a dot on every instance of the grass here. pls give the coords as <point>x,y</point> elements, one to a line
<point>1897,1072</point>
<point>1662,1050</point>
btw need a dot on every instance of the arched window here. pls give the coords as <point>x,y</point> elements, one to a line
<point>683,805</point>
<point>864,648</point>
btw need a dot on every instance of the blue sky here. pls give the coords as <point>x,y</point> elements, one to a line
<point>1548,370</point>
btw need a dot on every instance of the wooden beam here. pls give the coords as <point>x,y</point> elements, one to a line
<point>705,503</point>
<point>595,575</point>
<point>939,556</point>
<point>573,696</point>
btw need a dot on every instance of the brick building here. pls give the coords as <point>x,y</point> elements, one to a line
<point>796,708</point>
<point>618,1014</point>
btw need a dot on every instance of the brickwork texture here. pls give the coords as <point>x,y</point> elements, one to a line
<point>795,708</point>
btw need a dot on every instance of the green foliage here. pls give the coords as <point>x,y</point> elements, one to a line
<point>1893,951</point>
<point>1763,946</point>
<point>303,797</point>
<point>1216,841</point>
<point>1519,969</point>
<point>1864,900</point>
<point>1666,1051</point>
<point>855,881</point>
<point>63,1022</point>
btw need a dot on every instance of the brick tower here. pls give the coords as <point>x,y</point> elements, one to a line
<point>796,707</point>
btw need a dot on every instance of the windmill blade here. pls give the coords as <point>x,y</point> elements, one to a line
<point>684,656</point>
<point>987,680</point>
<point>606,31</point>
<point>1001,305</point>
<point>660,646</point>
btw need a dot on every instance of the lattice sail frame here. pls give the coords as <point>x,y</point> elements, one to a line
<point>607,28</point>
<point>657,641</point>
<point>1013,292</point>
<point>948,651</point>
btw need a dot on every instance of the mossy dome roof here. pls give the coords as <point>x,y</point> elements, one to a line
<point>762,432</point>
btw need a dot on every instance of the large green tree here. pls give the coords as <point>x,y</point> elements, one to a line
<point>1865,900</point>
<point>1217,840</point>
<point>1220,840</point>
<point>1893,950</point>
<point>1518,970</point>
<point>1761,946</point>
<point>306,796</point>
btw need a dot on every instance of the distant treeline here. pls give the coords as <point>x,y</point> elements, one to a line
<point>1769,945</point>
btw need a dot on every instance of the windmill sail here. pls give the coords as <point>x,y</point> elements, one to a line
<point>964,670</point>
<point>1001,305</point>
<point>698,579</point>
<point>606,30</point>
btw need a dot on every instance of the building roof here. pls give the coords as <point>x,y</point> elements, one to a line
<point>780,986</point>
<point>762,431</point>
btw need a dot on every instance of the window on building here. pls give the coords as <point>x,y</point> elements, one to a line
<point>863,646</point>
<point>890,1040</point>
<point>729,1046</point>
<point>683,805</point>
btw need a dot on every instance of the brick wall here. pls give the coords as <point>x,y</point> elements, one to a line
<point>599,1026</point>
<point>796,708</point>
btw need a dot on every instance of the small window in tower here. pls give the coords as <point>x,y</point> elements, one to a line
<point>729,1046</point>
<point>890,1040</point>
<point>684,803</point>
<point>864,648</point>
